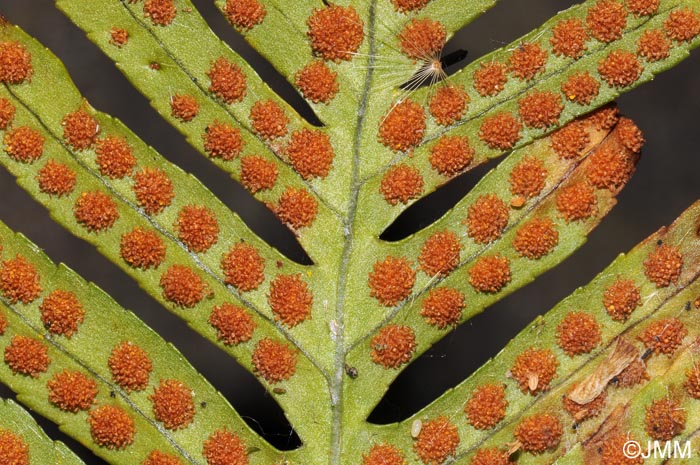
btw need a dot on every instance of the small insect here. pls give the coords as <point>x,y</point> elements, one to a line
<point>351,371</point>
<point>659,242</point>
<point>203,404</point>
<point>688,306</point>
<point>415,428</point>
<point>538,325</point>
<point>279,390</point>
<point>647,353</point>
<point>112,394</point>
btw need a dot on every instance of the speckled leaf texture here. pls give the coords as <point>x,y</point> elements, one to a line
<point>22,438</point>
<point>615,361</point>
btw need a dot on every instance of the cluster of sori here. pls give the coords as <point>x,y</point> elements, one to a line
<point>617,361</point>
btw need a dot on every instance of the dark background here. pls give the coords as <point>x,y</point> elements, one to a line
<point>668,110</point>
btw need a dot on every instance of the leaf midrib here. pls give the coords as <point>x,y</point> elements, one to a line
<point>336,385</point>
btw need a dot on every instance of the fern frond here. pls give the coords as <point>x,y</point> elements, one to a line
<point>75,356</point>
<point>459,273</point>
<point>22,439</point>
<point>632,427</point>
<point>532,99</point>
<point>232,270</point>
<point>189,62</point>
<point>512,112</point>
<point>661,330</point>
<point>274,29</point>
<point>329,338</point>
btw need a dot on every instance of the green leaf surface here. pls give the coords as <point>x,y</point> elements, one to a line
<point>340,324</point>
<point>40,448</point>
<point>667,372</point>
<point>571,235</point>
<point>630,418</point>
<point>31,102</point>
<point>181,72</point>
<point>106,325</point>
<point>549,78</point>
